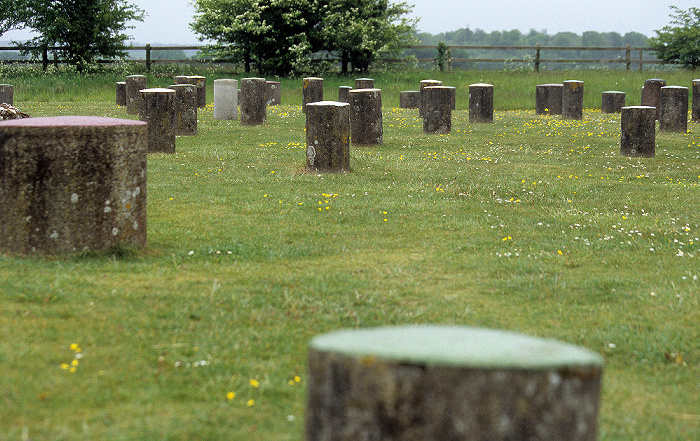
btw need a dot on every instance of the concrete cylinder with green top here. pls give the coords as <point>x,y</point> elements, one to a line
<point>435,383</point>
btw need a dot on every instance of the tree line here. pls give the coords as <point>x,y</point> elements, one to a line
<point>285,37</point>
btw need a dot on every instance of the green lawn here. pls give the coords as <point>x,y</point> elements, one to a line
<point>532,224</point>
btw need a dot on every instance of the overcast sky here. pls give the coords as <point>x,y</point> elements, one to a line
<point>167,21</point>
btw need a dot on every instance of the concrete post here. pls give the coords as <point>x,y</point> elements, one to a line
<point>572,100</point>
<point>612,101</point>
<point>437,105</point>
<point>7,94</point>
<point>134,83</point>
<point>548,99</point>
<point>198,81</point>
<point>366,117</point>
<point>409,99</point>
<point>481,103</point>
<point>423,85</point>
<point>274,93</point>
<point>364,83</point>
<point>225,99</point>
<point>158,111</point>
<point>185,109</point>
<point>343,94</point>
<point>696,101</point>
<point>253,101</point>
<point>328,136</point>
<point>312,91</point>
<point>651,94</point>
<point>673,110</point>
<point>120,91</point>
<point>638,127</point>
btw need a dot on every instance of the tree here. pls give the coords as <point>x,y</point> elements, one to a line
<point>279,35</point>
<point>680,43</point>
<point>13,14</point>
<point>81,31</point>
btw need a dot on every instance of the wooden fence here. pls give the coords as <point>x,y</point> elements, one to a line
<point>531,55</point>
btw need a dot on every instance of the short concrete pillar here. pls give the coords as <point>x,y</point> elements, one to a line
<point>274,93</point>
<point>673,110</point>
<point>312,91</point>
<point>695,113</point>
<point>366,117</point>
<point>481,103</point>
<point>638,127</point>
<point>572,100</point>
<point>72,183</point>
<point>158,111</point>
<point>436,103</point>
<point>185,109</point>
<point>134,83</point>
<point>409,99</point>
<point>423,84</point>
<point>436,383</point>
<point>548,99</point>
<point>253,101</point>
<point>612,101</point>
<point>343,94</point>
<point>328,136</point>
<point>7,94</point>
<point>651,94</point>
<point>120,92</point>
<point>198,81</point>
<point>364,83</point>
<point>225,99</point>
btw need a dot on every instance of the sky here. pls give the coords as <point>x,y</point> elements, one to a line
<point>167,21</point>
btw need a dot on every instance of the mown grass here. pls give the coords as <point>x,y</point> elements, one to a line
<point>532,224</point>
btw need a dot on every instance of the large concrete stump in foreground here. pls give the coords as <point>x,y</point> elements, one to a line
<point>409,99</point>
<point>437,383</point>
<point>695,113</point>
<point>225,99</point>
<point>436,103</point>
<point>312,91</point>
<point>638,127</point>
<point>328,136</point>
<point>612,101</point>
<point>185,109</point>
<point>199,82</point>
<point>651,94</point>
<point>72,183</point>
<point>422,85</point>
<point>548,99</point>
<point>673,110</point>
<point>253,101</point>
<point>366,117</point>
<point>158,111</point>
<point>572,100</point>
<point>134,84</point>
<point>480,103</point>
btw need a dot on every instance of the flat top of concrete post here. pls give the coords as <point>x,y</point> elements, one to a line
<point>136,76</point>
<point>550,85</point>
<point>613,91</point>
<point>456,346</point>
<point>72,121</point>
<point>431,81</point>
<point>272,82</point>
<point>328,103</point>
<point>481,85</point>
<point>439,87</point>
<point>312,78</point>
<point>157,90</point>
<point>253,79</point>
<point>226,81</point>
<point>639,107</point>
<point>674,87</point>
<point>355,91</point>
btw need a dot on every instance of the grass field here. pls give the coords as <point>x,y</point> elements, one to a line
<point>532,224</point>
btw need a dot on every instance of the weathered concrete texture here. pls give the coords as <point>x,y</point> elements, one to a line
<point>7,94</point>
<point>366,396</point>
<point>253,101</point>
<point>72,183</point>
<point>695,113</point>
<point>120,92</point>
<point>344,94</point>
<point>572,100</point>
<point>312,91</point>
<point>638,127</point>
<point>185,109</point>
<point>328,136</point>
<point>481,103</point>
<point>225,99</point>
<point>134,84</point>
<point>409,99</point>
<point>651,94</point>
<point>612,101</point>
<point>422,85</point>
<point>199,82</point>
<point>548,99</point>
<point>364,83</point>
<point>366,117</point>
<point>673,110</point>
<point>158,111</point>
<point>436,103</point>
<point>274,93</point>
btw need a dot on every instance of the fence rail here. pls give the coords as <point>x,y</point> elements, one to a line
<point>535,59</point>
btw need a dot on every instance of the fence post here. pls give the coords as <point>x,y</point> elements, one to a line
<point>537,58</point>
<point>148,57</point>
<point>45,57</point>
<point>628,57</point>
<point>640,60</point>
